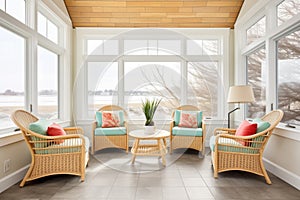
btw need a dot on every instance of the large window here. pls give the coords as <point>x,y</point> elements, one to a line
<point>256,71</point>
<point>12,76</point>
<point>15,8</point>
<point>47,83</point>
<point>150,64</point>
<point>288,55</point>
<point>273,62</point>
<point>33,77</point>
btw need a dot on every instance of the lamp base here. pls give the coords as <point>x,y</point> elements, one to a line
<point>228,116</point>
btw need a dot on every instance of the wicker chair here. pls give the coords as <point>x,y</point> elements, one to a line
<point>229,153</point>
<point>184,141</point>
<point>119,139</point>
<point>67,154</point>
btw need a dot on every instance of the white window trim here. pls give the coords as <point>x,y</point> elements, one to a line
<point>83,34</point>
<point>63,49</point>
<point>273,33</point>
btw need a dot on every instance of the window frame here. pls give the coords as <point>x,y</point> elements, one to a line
<point>273,33</point>
<point>32,39</point>
<point>84,34</point>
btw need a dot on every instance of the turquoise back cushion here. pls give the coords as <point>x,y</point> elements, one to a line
<point>99,118</point>
<point>40,126</point>
<point>261,125</point>
<point>178,113</point>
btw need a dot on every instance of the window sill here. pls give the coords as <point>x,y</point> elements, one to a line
<point>9,138</point>
<point>290,133</point>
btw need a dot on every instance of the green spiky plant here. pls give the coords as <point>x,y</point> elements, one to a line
<point>149,108</point>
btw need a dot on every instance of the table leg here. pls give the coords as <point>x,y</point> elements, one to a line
<point>135,148</point>
<point>161,151</point>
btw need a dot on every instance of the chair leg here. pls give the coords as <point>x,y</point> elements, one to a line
<point>27,175</point>
<point>267,178</point>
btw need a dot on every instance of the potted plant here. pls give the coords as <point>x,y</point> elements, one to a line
<point>149,108</point>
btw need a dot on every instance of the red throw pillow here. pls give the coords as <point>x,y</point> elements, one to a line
<point>246,129</point>
<point>56,130</point>
<point>110,119</point>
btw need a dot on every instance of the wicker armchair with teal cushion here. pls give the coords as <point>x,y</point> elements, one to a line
<point>54,150</point>
<point>110,128</point>
<point>242,148</point>
<point>187,129</point>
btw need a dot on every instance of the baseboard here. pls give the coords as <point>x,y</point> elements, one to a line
<point>282,173</point>
<point>12,178</point>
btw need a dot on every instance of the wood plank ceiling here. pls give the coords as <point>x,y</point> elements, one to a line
<point>154,13</point>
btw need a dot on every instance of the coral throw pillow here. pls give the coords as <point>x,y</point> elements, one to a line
<point>110,119</point>
<point>188,120</point>
<point>56,130</point>
<point>246,129</point>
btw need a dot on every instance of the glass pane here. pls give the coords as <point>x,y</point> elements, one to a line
<point>111,47</point>
<point>169,47</point>
<point>194,47</point>
<point>16,8</point>
<point>203,86</point>
<point>102,85</point>
<point>135,47</point>
<point>288,54</point>
<point>256,71</point>
<point>42,24</point>
<point>210,47</point>
<point>256,31</point>
<point>286,10</point>
<point>12,94</point>
<point>95,47</point>
<point>47,83</point>
<point>152,80</point>
<point>52,32</point>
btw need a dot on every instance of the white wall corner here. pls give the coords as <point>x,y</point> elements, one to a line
<point>280,172</point>
<point>12,178</point>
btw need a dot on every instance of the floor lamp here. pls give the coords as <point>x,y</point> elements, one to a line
<point>239,94</point>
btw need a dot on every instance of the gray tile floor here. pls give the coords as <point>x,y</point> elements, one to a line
<point>110,175</point>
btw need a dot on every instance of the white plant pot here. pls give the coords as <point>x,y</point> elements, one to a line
<point>149,130</point>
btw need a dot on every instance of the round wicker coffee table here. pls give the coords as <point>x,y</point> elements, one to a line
<point>157,149</point>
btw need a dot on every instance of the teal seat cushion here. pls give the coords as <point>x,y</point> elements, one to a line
<point>40,126</point>
<point>261,125</point>
<point>60,148</point>
<point>182,131</point>
<point>110,131</point>
<point>177,115</point>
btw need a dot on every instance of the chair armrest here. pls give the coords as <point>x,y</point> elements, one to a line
<point>74,130</point>
<point>224,131</point>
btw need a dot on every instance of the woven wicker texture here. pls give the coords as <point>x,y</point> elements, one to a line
<point>191,142</point>
<point>52,154</point>
<point>231,156</point>
<point>115,141</point>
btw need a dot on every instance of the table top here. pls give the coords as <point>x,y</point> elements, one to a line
<point>140,134</point>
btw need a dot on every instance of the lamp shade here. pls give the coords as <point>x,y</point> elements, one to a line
<point>240,94</point>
